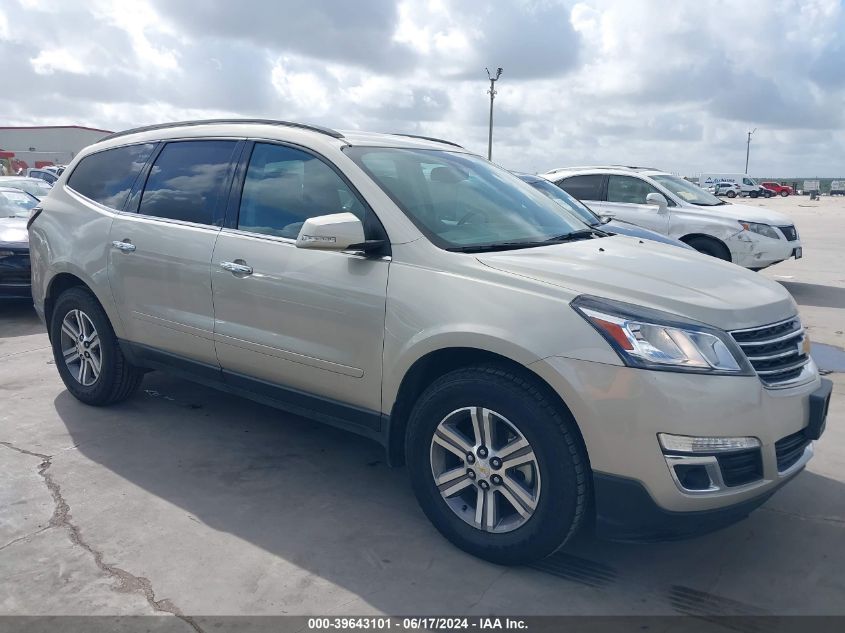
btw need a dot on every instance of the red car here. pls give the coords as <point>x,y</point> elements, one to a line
<point>779,189</point>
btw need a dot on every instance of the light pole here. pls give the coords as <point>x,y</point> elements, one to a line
<point>748,148</point>
<point>492,93</point>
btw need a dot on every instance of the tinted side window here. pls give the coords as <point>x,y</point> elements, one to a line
<point>582,187</point>
<point>186,180</point>
<point>106,177</point>
<point>286,186</point>
<point>628,189</point>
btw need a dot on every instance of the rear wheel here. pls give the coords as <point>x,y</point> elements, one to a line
<point>86,352</point>
<point>710,246</point>
<point>496,465</point>
<point>731,194</point>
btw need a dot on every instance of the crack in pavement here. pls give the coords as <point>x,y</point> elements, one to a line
<point>61,518</point>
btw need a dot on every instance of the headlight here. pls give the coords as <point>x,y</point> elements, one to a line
<point>651,339</point>
<point>761,229</point>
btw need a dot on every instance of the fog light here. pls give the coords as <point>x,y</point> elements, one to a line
<point>690,444</point>
<point>693,477</point>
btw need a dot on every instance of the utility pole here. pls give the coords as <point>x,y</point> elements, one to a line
<point>492,93</point>
<point>748,148</point>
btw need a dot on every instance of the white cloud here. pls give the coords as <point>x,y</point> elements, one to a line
<point>661,82</point>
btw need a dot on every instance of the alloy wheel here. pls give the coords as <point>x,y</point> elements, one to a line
<point>485,469</point>
<point>81,348</point>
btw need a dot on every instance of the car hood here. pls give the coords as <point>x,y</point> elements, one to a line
<point>654,275</point>
<point>13,231</point>
<point>621,227</point>
<point>744,212</point>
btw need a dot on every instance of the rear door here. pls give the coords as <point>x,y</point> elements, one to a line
<point>161,246</point>
<point>588,188</point>
<point>304,323</point>
<point>626,200</point>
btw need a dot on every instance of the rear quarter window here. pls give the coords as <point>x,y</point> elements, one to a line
<point>586,187</point>
<point>107,177</point>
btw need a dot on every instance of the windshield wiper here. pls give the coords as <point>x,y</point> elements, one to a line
<point>495,246</point>
<point>582,234</point>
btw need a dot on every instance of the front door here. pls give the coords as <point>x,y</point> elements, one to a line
<point>161,247</point>
<point>626,200</point>
<point>302,322</point>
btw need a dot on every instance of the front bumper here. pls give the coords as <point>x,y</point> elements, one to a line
<point>621,410</point>
<point>755,251</point>
<point>15,274</point>
<point>626,512</point>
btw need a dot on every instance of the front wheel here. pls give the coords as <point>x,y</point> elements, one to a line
<point>753,194</point>
<point>784,194</point>
<point>496,465</point>
<point>710,246</point>
<point>86,351</point>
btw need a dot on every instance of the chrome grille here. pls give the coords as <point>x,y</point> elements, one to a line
<point>775,351</point>
<point>789,232</point>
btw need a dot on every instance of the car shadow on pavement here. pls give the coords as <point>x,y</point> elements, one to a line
<point>325,505</point>
<point>817,295</point>
<point>18,318</point>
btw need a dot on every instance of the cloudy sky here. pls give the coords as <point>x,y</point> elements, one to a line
<point>659,82</point>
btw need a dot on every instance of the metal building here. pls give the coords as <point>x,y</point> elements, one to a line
<point>22,147</point>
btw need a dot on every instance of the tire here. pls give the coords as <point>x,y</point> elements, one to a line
<point>731,194</point>
<point>710,246</point>
<point>116,379</point>
<point>753,194</point>
<point>558,482</point>
<point>784,194</point>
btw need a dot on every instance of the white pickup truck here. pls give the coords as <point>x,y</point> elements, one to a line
<point>748,186</point>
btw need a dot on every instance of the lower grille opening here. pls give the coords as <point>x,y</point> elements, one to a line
<point>741,467</point>
<point>790,449</point>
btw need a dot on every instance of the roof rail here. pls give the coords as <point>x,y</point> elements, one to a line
<point>428,138</point>
<point>164,126</point>
<point>576,167</point>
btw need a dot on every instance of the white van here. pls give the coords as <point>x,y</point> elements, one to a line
<point>746,183</point>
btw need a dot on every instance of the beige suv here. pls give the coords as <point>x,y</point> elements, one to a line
<point>533,372</point>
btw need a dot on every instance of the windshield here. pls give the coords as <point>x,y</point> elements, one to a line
<point>460,200</point>
<point>566,201</point>
<point>37,188</point>
<point>687,191</point>
<point>16,204</point>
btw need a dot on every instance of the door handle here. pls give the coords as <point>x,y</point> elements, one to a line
<point>126,246</point>
<point>236,267</point>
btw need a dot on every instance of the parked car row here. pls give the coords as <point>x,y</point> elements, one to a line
<point>537,369</point>
<point>48,173</point>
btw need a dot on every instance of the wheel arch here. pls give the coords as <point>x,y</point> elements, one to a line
<point>686,239</point>
<point>65,280</point>
<point>429,367</point>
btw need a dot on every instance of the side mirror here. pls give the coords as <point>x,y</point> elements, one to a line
<point>659,200</point>
<point>336,232</point>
